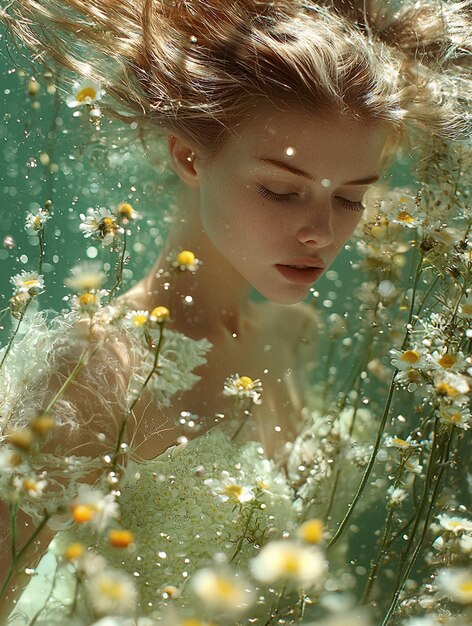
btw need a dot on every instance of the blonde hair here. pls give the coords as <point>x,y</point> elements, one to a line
<point>200,66</point>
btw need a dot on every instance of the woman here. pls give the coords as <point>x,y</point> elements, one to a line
<point>279,116</point>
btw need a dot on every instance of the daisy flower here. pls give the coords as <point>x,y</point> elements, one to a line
<point>451,386</point>
<point>100,224</point>
<point>446,360</point>
<point>112,591</point>
<point>455,525</point>
<point>407,359</point>
<point>410,378</point>
<point>244,387</point>
<point>455,415</point>
<point>30,485</point>
<point>401,444</point>
<point>28,282</point>
<point>86,276</point>
<point>35,221</point>
<point>456,584</point>
<point>91,505</point>
<point>137,319</point>
<point>288,560</point>
<point>127,212</point>
<point>228,489</point>
<point>221,590</point>
<point>466,306</point>
<point>85,91</point>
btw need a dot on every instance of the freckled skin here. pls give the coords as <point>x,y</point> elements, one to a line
<point>252,232</point>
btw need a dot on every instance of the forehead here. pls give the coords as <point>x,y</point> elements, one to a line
<point>321,145</point>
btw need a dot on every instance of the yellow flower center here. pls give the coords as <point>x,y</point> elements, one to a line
<point>120,538</point>
<point>74,551</point>
<point>186,258</point>
<point>31,283</point>
<point>444,389</point>
<point>233,491</point>
<point>160,313</point>
<point>466,586</point>
<point>290,564</point>
<point>401,443</point>
<point>455,418</point>
<point>37,222</point>
<point>126,210</point>
<point>139,320</point>
<point>42,425</point>
<point>86,94</point>
<point>111,588</point>
<point>30,485</point>
<point>245,383</point>
<point>447,361</point>
<point>312,531</point>
<point>455,525</point>
<point>83,513</point>
<point>466,309</point>
<point>87,299</point>
<point>404,216</point>
<point>192,621</point>
<point>22,438</point>
<point>410,356</point>
<point>224,588</point>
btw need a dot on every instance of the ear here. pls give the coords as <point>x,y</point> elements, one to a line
<point>183,154</point>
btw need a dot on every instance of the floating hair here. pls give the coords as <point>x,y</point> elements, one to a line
<point>201,66</point>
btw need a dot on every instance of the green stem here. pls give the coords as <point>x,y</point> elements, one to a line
<point>243,535</point>
<point>276,611</point>
<point>412,561</point>
<point>14,334</point>
<point>22,551</point>
<point>133,404</point>
<point>119,271</point>
<point>370,466</point>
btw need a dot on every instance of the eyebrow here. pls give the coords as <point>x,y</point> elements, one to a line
<point>293,170</point>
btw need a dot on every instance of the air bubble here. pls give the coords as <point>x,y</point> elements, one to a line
<point>326,183</point>
<point>290,152</point>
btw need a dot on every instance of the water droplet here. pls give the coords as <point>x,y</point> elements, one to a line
<point>9,242</point>
<point>326,183</point>
<point>290,152</point>
<point>193,39</point>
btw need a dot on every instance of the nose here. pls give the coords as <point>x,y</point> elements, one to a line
<point>317,228</point>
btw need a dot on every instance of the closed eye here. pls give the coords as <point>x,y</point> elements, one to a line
<point>288,197</point>
<point>277,197</point>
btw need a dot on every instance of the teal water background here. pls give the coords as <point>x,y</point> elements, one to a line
<point>52,152</point>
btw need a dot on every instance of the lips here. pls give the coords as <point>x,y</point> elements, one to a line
<point>305,275</point>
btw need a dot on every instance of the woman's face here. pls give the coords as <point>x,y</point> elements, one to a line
<point>287,191</point>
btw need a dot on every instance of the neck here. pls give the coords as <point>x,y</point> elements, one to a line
<point>212,302</point>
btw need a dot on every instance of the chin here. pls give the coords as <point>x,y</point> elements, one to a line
<point>283,298</point>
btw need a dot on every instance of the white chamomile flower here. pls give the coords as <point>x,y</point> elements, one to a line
<point>413,466</point>
<point>456,416</point>
<point>456,525</point>
<point>413,358</point>
<point>229,489</point>
<point>451,385</point>
<point>456,584</point>
<point>409,378</point>
<point>91,505</point>
<point>244,387</point>
<point>465,309</point>
<point>112,591</point>
<point>30,485</point>
<point>35,221</point>
<point>85,91</point>
<point>396,495</point>
<point>137,319</point>
<point>86,276</point>
<point>28,282</point>
<point>288,561</point>
<point>401,444</point>
<point>221,590</point>
<point>100,224</point>
<point>447,360</point>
